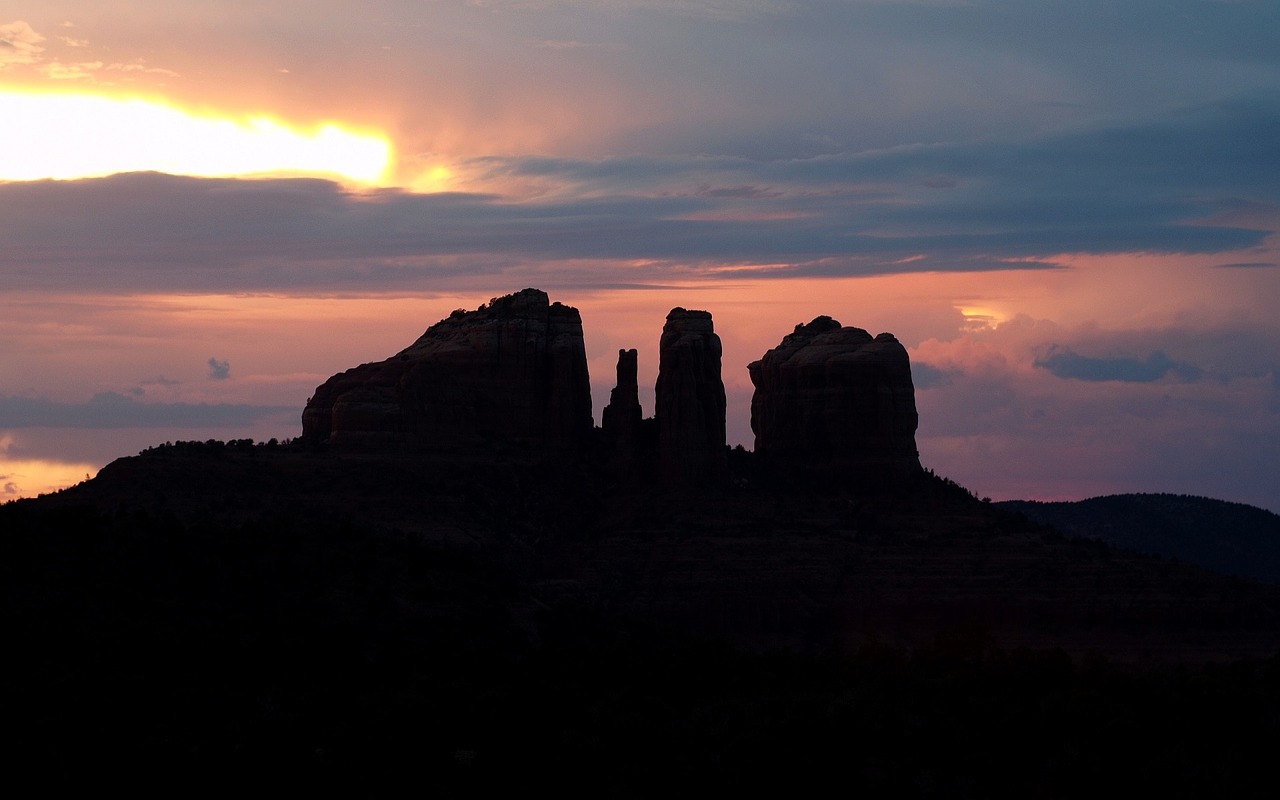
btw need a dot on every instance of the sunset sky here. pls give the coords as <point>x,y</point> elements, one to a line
<point>1067,210</point>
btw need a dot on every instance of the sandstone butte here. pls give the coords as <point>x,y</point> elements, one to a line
<point>514,370</point>
<point>513,373</point>
<point>835,400</point>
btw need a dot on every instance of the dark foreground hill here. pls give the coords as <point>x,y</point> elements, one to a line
<point>495,623</point>
<point>1231,538</point>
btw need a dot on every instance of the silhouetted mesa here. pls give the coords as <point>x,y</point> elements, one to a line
<point>689,401</point>
<point>513,371</point>
<point>833,399</point>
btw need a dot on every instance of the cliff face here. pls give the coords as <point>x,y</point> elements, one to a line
<point>690,401</point>
<point>513,371</point>
<point>835,398</point>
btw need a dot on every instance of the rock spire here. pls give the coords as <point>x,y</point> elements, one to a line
<point>690,401</point>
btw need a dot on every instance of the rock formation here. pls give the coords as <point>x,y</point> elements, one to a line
<point>513,371</point>
<point>622,419</point>
<point>689,401</point>
<point>830,402</point>
<point>834,399</point>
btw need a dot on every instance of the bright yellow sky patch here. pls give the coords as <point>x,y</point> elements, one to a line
<point>31,478</point>
<point>67,136</point>
<point>435,179</point>
<point>977,318</point>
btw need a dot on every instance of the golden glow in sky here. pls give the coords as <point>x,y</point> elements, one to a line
<point>31,478</point>
<point>978,318</point>
<point>67,136</point>
<point>435,179</point>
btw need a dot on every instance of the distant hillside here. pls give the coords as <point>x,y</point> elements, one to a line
<point>1231,538</point>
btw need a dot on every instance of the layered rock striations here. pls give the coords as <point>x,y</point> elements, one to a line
<point>832,398</point>
<point>513,371</point>
<point>690,401</point>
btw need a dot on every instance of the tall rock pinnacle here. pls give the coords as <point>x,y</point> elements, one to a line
<point>689,401</point>
<point>832,398</point>
<point>513,371</point>
<point>621,418</point>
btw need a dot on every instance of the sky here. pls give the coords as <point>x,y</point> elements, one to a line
<point>1067,211</point>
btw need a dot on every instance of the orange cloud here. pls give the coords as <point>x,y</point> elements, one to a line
<point>19,44</point>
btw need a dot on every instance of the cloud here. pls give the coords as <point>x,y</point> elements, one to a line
<point>141,66</point>
<point>114,410</point>
<point>1013,205</point>
<point>711,9</point>
<point>219,370</point>
<point>161,381</point>
<point>561,44</point>
<point>1178,408</point>
<point>926,376</point>
<point>19,44</point>
<point>83,70</point>
<point>1064,363</point>
<point>743,192</point>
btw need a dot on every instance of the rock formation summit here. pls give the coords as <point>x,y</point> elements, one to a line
<point>835,399</point>
<point>512,372</point>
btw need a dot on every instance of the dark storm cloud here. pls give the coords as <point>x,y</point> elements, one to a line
<point>926,376</point>
<point>1161,186</point>
<point>1223,354</point>
<point>113,410</point>
<point>219,370</point>
<point>1066,363</point>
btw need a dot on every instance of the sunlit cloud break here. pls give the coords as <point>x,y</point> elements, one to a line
<point>68,136</point>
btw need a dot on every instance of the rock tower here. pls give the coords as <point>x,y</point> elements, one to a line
<point>834,399</point>
<point>689,401</point>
